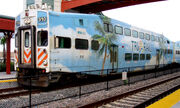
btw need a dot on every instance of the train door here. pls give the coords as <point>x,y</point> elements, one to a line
<point>157,57</point>
<point>26,46</point>
<point>114,57</point>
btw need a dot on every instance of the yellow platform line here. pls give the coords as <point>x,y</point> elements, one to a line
<point>168,101</point>
<point>12,80</point>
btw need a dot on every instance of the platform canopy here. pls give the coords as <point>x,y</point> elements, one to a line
<point>7,23</point>
<point>7,26</point>
<point>95,6</point>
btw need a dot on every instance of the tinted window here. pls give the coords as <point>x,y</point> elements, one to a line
<point>135,33</point>
<point>142,56</point>
<point>81,44</point>
<point>105,27</point>
<point>141,35</point>
<point>152,38</point>
<point>127,32</point>
<point>135,57</point>
<point>108,27</point>
<point>148,56</point>
<point>63,42</point>
<point>42,38</point>
<point>118,30</point>
<point>81,22</point>
<point>94,45</point>
<point>26,39</point>
<point>128,57</point>
<point>147,36</point>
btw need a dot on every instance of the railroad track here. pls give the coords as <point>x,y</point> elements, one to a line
<point>140,97</point>
<point>14,92</point>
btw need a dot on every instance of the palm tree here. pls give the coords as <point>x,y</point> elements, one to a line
<point>3,42</point>
<point>105,39</point>
<point>162,49</point>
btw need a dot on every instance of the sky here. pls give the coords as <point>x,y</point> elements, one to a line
<point>161,17</point>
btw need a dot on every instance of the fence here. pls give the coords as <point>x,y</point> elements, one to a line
<point>86,83</point>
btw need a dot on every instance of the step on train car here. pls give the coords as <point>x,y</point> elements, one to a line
<point>52,43</point>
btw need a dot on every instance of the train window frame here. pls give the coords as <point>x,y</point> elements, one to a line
<point>93,47</point>
<point>128,56</point>
<point>108,27</point>
<point>148,56</point>
<point>142,57</point>
<point>127,32</point>
<point>81,48</point>
<point>115,29</point>
<point>59,44</point>
<point>152,38</point>
<point>147,36</point>
<point>26,39</point>
<point>136,33</point>
<point>45,42</point>
<point>81,22</point>
<point>135,57</point>
<point>141,36</point>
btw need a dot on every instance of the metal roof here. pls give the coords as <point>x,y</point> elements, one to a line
<point>95,6</point>
<point>7,17</point>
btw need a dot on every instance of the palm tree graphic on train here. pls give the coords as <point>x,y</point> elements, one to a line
<point>162,49</point>
<point>105,39</point>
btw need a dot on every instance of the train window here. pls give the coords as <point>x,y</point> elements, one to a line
<point>141,35</point>
<point>81,22</point>
<point>135,33</point>
<point>26,39</point>
<point>142,56</point>
<point>119,30</point>
<point>128,56</point>
<point>108,27</point>
<point>105,27</point>
<point>135,57</point>
<point>94,45</point>
<point>127,32</point>
<point>81,44</point>
<point>147,36</point>
<point>63,42</point>
<point>148,56</point>
<point>152,38</point>
<point>42,38</point>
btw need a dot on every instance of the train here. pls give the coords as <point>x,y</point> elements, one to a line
<point>55,43</point>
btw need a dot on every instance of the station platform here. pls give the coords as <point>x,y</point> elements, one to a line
<point>170,101</point>
<point>7,77</point>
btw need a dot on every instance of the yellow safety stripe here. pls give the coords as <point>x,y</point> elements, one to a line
<point>168,101</point>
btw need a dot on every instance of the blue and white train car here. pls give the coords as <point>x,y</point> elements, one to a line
<point>54,43</point>
<point>177,52</point>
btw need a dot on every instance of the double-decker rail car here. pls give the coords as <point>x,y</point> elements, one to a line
<point>177,52</point>
<point>52,43</point>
